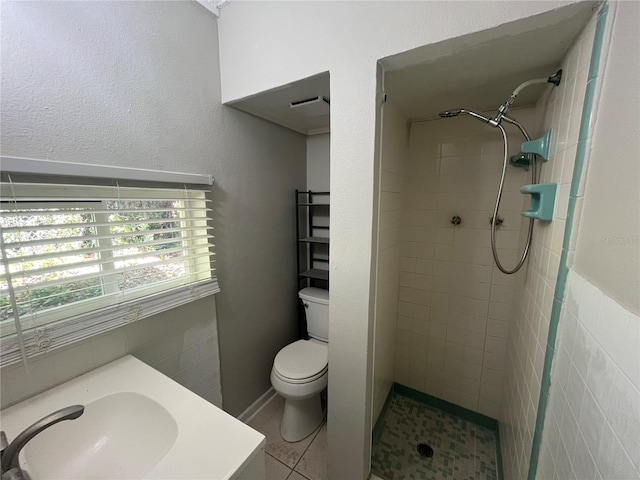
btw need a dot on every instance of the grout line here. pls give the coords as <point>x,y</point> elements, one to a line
<point>294,471</point>
<point>281,463</point>
<point>278,460</point>
<point>309,446</point>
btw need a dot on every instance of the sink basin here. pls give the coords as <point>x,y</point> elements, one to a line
<point>110,428</point>
<point>137,424</point>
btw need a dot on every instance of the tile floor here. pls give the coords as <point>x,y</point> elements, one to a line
<point>462,450</point>
<point>303,460</point>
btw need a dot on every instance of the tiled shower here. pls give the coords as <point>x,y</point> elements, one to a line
<point>561,110</point>
<point>453,303</point>
<point>465,332</point>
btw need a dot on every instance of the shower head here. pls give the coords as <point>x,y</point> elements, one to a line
<point>450,113</point>
<point>504,108</point>
<point>460,111</point>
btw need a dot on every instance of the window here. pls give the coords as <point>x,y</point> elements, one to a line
<point>81,259</point>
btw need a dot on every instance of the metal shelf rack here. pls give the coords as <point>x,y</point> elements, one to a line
<point>312,234</point>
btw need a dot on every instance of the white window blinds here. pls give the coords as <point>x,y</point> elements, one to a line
<point>80,259</point>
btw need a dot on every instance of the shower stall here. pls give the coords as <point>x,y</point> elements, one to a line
<point>465,271</point>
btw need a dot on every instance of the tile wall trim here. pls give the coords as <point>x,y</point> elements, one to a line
<point>563,270</point>
<point>377,429</point>
<point>499,456</point>
<point>452,408</point>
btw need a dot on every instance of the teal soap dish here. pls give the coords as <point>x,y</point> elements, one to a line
<point>539,146</point>
<point>543,198</point>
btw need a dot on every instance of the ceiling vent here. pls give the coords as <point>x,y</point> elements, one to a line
<point>312,107</point>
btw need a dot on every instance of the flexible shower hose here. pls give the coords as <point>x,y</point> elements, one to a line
<point>505,162</point>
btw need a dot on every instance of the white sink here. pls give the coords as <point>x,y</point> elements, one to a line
<point>109,429</point>
<point>137,423</point>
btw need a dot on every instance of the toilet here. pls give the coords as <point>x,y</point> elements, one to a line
<point>300,370</point>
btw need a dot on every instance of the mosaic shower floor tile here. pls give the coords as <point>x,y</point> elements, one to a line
<point>461,449</point>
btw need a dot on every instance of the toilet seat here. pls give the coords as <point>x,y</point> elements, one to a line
<point>301,362</point>
<point>295,381</point>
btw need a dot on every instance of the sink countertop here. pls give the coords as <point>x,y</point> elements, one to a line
<point>210,443</point>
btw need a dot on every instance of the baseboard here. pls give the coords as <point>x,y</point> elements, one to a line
<point>253,409</point>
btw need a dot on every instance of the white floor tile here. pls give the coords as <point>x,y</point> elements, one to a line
<point>313,464</point>
<point>275,470</point>
<point>267,422</point>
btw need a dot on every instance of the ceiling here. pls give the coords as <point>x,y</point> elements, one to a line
<point>477,71</point>
<point>481,76</point>
<point>275,105</point>
<point>213,6</point>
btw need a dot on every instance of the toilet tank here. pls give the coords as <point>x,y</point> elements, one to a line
<point>316,307</point>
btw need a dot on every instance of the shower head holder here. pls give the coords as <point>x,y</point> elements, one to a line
<point>555,78</point>
<point>539,146</point>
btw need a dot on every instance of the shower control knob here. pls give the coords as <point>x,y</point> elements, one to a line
<point>456,220</point>
<point>499,221</point>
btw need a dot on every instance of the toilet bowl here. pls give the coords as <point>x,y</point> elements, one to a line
<point>299,374</point>
<point>300,370</point>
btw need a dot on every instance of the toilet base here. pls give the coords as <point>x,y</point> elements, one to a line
<point>301,418</point>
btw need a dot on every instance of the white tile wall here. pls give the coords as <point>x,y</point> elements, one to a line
<point>181,343</point>
<point>453,304</point>
<point>592,427</point>
<point>394,152</point>
<point>562,112</point>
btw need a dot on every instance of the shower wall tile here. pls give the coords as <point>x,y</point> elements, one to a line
<point>397,278</point>
<point>448,289</point>
<point>561,111</point>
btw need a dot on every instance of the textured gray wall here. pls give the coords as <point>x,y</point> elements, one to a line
<point>137,84</point>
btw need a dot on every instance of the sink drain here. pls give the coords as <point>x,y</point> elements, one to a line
<point>425,450</point>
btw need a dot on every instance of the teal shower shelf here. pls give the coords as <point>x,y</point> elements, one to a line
<point>539,146</point>
<point>543,198</point>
